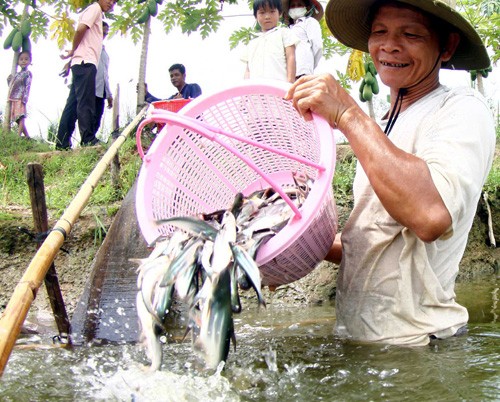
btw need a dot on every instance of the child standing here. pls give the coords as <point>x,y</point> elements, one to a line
<point>303,16</point>
<point>19,90</point>
<point>272,54</point>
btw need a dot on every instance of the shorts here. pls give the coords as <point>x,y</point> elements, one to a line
<point>17,110</point>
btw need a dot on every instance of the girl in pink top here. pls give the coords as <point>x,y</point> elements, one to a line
<point>19,90</point>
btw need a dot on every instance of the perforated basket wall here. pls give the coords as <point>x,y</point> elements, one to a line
<point>172,105</point>
<point>185,173</point>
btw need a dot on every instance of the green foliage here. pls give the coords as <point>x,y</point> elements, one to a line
<point>345,169</point>
<point>492,185</point>
<point>331,47</point>
<point>484,15</point>
<point>99,232</point>
<point>64,172</point>
<point>242,36</point>
<point>344,80</point>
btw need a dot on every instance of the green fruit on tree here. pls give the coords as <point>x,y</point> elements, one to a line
<point>153,8</point>
<point>17,41</point>
<point>9,39</point>
<point>362,86</point>
<point>26,45</point>
<point>367,93</point>
<point>375,87</point>
<point>369,78</point>
<point>473,75</point>
<point>26,28</point>
<point>144,16</point>
<point>371,68</point>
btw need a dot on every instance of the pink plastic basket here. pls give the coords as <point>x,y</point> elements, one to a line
<point>239,140</point>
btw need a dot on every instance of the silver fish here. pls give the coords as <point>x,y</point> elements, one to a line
<point>149,334</point>
<point>221,256</point>
<point>247,263</point>
<point>195,226</point>
<point>163,299</point>
<point>152,273</point>
<point>235,297</point>
<point>183,260</point>
<point>217,326</point>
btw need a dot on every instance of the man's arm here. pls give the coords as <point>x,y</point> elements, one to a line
<point>81,30</point>
<point>335,253</point>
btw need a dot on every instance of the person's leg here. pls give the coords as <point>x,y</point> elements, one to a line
<point>85,109</point>
<point>68,119</point>
<point>22,127</point>
<point>99,111</point>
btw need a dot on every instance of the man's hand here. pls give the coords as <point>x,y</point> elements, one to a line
<point>110,102</point>
<point>65,70</point>
<point>69,54</point>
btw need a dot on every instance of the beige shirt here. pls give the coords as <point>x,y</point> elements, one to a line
<point>392,287</point>
<point>89,49</point>
<point>265,54</point>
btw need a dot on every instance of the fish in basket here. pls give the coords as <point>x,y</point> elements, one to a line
<point>234,194</point>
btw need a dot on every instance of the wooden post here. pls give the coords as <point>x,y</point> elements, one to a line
<point>34,173</point>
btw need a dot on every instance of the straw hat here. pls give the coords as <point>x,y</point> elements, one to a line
<point>317,14</point>
<point>348,22</point>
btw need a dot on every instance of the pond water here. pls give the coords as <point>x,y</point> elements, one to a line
<point>282,354</point>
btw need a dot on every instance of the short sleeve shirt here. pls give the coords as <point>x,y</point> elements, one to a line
<point>309,50</point>
<point>392,287</point>
<point>265,55</point>
<point>89,49</point>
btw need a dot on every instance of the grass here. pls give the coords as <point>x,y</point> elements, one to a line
<point>64,172</point>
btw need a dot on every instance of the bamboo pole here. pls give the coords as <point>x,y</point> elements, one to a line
<point>25,292</point>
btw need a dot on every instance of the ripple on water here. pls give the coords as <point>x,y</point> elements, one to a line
<point>280,355</point>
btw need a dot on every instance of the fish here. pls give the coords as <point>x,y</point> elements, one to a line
<point>149,335</point>
<point>221,256</point>
<point>152,273</point>
<point>217,325</point>
<point>235,296</point>
<point>186,258</point>
<point>205,262</point>
<point>249,266</point>
<point>193,225</point>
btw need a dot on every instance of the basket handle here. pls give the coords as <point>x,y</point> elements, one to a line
<point>171,117</point>
<point>205,130</point>
<point>138,133</point>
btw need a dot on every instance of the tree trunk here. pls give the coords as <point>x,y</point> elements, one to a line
<point>6,117</point>
<point>371,112</point>
<point>480,86</point>
<point>141,93</point>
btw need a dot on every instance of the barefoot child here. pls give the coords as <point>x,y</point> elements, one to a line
<point>19,90</point>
